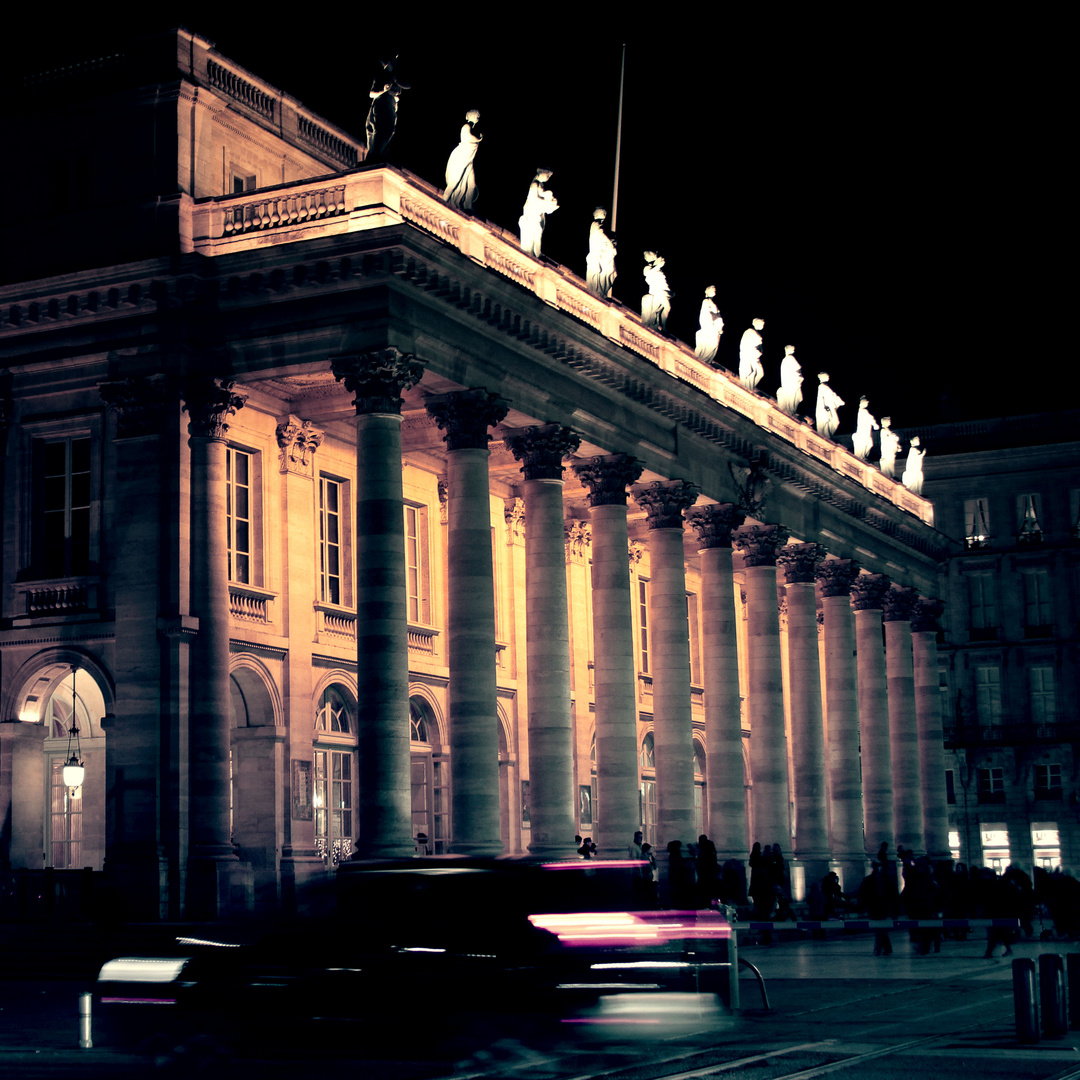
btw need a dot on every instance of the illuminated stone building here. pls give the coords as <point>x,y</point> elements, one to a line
<point>257,539</point>
<point>1008,491</point>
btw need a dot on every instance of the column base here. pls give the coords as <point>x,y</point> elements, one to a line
<point>552,851</point>
<point>136,884</point>
<point>218,887</point>
<point>477,851</point>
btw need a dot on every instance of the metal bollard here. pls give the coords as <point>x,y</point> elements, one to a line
<point>85,1000</point>
<point>1072,967</point>
<point>1024,1001</point>
<point>1052,996</point>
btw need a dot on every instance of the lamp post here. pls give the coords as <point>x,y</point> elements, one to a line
<point>74,771</point>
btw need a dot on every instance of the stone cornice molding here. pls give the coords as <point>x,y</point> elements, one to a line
<point>799,562</point>
<point>836,576</point>
<point>607,477</point>
<point>926,615</point>
<point>899,603</point>
<point>868,592</point>
<point>715,523</point>
<point>209,402</point>
<point>760,544</point>
<point>664,502</point>
<point>465,416</point>
<point>541,449</point>
<point>298,440</point>
<point>141,404</point>
<point>378,379</point>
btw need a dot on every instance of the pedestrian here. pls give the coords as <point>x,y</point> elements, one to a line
<point>875,899</point>
<point>633,849</point>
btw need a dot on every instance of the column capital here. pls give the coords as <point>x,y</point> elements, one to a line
<point>298,440</point>
<point>541,449</point>
<point>514,513</point>
<point>578,538</point>
<point>209,402</point>
<point>800,562</point>
<point>664,502</point>
<point>899,602</point>
<point>140,404</point>
<point>378,379</point>
<point>715,523</point>
<point>464,416</point>
<point>836,576</point>
<point>760,544</point>
<point>607,477</point>
<point>926,615</point>
<point>868,592</point>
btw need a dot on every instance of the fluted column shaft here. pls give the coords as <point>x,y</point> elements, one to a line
<point>903,732</point>
<point>723,721</point>
<point>842,708</point>
<point>873,712</point>
<point>614,670</point>
<point>924,630</point>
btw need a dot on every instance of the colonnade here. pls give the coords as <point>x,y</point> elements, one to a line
<point>842,804</point>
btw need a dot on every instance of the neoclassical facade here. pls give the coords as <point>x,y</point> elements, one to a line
<point>338,524</point>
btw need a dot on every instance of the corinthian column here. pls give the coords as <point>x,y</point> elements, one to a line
<point>723,723</point>
<point>924,631</point>
<point>615,678</point>
<point>903,733</point>
<point>471,695</point>
<point>378,380</point>
<point>868,594</point>
<point>213,862</point>
<point>835,577</point>
<point>547,638</point>
<point>807,731</point>
<point>673,739</point>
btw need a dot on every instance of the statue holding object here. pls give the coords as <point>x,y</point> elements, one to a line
<point>381,121</point>
<point>890,447</point>
<point>656,303</point>
<point>750,369</point>
<point>828,401</point>
<point>538,204</point>
<point>600,262</point>
<point>865,425</point>
<point>460,178</point>
<point>710,327</point>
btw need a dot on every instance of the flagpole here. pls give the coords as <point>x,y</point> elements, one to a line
<point>618,144</point>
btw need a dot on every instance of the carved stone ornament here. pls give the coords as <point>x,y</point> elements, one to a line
<point>140,404</point>
<point>753,487</point>
<point>578,536</point>
<point>836,576</point>
<point>465,416</point>
<point>715,523</point>
<point>298,440</point>
<point>541,449</point>
<point>927,615</point>
<point>635,551</point>
<point>760,544</point>
<point>664,502</point>
<point>899,603</point>
<point>209,403</point>
<point>868,591</point>
<point>800,562</point>
<point>514,512</point>
<point>378,379</point>
<point>608,477</point>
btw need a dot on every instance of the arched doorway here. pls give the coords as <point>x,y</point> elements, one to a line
<point>429,776</point>
<point>334,787</point>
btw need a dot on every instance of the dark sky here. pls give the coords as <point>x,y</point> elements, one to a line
<point>888,194</point>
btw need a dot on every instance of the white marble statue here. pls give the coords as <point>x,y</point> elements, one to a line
<point>865,425</point>
<point>656,303</point>
<point>913,477</point>
<point>538,204</point>
<point>750,369</point>
<point>890,447</point>
<point>460,177</point>
<point>710,327</point>
<point>789,396</point>
<point>828,401</point>
<point>600,262</point>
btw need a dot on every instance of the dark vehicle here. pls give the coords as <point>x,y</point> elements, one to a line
<point>446,947</point>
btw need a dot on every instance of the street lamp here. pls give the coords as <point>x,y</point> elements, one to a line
<point>74,771</point>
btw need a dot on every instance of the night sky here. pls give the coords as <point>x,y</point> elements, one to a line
<point>886,193</point>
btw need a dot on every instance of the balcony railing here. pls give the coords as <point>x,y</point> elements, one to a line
<point>250,605</point>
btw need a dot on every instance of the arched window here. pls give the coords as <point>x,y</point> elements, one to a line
<point>332,715</point>
<point>700,822</point>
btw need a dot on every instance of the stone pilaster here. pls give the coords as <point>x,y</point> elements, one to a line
<point>868,594</point>
<point>547,638</point>
<point>799,562</point>
<point>465,418</point>
<point>835,578</point>
<point>378,380</point>
<point>214,872</point>
<point>614,668</point>
<point>720,659</point>
<point>664,503</point>
<point>924,630</point>
<point>769,796</point>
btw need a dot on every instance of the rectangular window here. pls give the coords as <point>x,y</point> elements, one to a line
<point>991,785</point>
<point>61,486</point>
<point>333,797</point>
<point>950,787</point>
<point>976,523</point>
<point>1041,684</point>
<point>692,632</point>
<point>331,549</point>
<point>1038,618</point>
<point>643,623</point>
<point>65,820</point>
<point>1028,513</point>
<point>239,477</point>
<point>982,607</point>
<point>1048,782</point>
<point>988,695</point>
<point>417,572</point>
